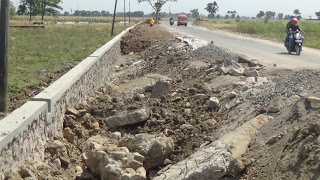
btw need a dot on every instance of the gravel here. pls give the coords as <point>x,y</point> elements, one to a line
<point>212,51</point>
<point>297,83</point>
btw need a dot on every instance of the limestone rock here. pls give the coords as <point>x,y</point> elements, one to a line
<point>232,63</point>
<point>69,135</point>
<point>154,149</point>
<point>199,97</point>
<point>112,162</point>
<point>96,125</point>
<point>211,70</point>
<point>223,70</point>
<point>251,73</point>
<point>273,139</point>
<point>213,161</point>
<point>57,163</point>
<point>73,111</point>
<point>116,135</point>
<point>236,71</point>
<point>129,117</point>
<point>213,103</point>
<point>186,127</point>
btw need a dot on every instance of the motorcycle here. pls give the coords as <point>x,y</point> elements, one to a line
<point>171,21</point>
<point>295,42</point>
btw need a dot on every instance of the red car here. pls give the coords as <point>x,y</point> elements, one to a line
<point>182,20</point>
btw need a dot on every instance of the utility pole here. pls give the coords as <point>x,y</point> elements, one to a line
<point>114,17</point>
<point>4,42</point>
<point>124,12</point>
<point>129,12</point>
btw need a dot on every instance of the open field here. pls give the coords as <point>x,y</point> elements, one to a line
<point>37,57</point>
<point>77,19</point>
<point>267,29</point>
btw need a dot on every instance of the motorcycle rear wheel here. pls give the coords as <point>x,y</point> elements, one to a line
<point>298,49</point>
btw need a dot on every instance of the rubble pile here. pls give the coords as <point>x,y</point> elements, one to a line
<point>174,111</point>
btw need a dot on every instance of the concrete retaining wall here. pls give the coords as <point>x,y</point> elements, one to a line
<point>24,132</point>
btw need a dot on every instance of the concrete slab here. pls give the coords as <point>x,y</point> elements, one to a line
<point>19,120</point>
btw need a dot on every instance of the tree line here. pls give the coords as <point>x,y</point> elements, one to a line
<point>39,7</point>
<point>102,13</point>
<point>52,7</point>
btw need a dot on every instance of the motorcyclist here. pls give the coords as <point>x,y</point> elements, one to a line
<point>151,22</point>
<point>293,26</point>
<point>171,20</point>
<point>290,17</point>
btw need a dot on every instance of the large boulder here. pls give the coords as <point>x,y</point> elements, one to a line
<point>110,162</point>
<point>154,149</point>
<point>128,117</point>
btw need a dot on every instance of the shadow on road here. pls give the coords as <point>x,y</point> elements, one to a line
<point>286,53</point>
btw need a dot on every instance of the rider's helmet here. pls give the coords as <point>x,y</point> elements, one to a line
<point>294,20</point>
<point>291,16</point>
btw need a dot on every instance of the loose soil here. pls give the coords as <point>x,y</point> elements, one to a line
<point>286,148</point>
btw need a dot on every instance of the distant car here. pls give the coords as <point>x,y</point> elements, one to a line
<point>182,20</point>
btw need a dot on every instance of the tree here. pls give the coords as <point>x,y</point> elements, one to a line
<point>232,14</point>
<point>260,15</point>
<point>30,7</point>
<point>287,17</point>
<point>194,13</point>
<point>212,8</point>
<point>77,13</point>
<point>318,14</point>
<point>50,6</point>
<point>270,14</point>
<point>138,14</point>
<point>66,13</point>
<point>156,5</point>
<point>105,13</point>
<point>12,9</point>
<point>297,13</point>
<point>280,15</point>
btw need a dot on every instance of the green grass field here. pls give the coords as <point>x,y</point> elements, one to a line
<point>53,20</point>
<point>37,56</point>
<point>268,29</point>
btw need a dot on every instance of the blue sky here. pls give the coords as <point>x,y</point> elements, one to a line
<point>243,7</point>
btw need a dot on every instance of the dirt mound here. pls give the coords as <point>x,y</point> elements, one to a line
<point>142,37</point>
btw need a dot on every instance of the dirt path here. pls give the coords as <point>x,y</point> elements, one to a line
<point>160,108</point>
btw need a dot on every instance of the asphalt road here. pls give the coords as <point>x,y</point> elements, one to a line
<point>265,52</point>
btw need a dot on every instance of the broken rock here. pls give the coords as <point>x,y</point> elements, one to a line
<point>213,161</point>
<point>250,73</point>
<point>154,149</point>
<point>223,70</point>
<point>161,88</point>
<point>213,103</point>
<point>69,135</point>
<point>111,162</point>
<point>129,117</point>
<point>236,71</point>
